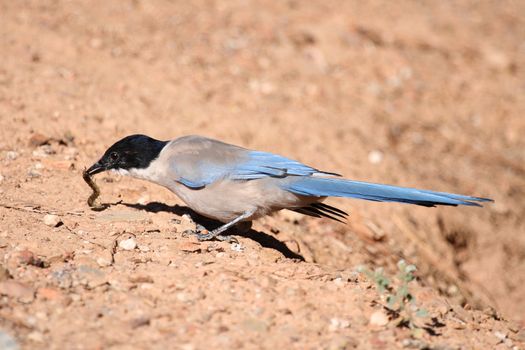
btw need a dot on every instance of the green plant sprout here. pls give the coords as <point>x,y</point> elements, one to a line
<point>401,304</point>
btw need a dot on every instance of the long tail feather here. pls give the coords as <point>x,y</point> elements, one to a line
<point>329,209</point>
<point>334,187</point>
<point>323,210</point>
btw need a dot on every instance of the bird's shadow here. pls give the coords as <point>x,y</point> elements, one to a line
<point>262,238</point>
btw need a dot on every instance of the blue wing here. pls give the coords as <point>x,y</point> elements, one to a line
<point>252,165</point>
<point>262,164</point>
<point>197,161</point>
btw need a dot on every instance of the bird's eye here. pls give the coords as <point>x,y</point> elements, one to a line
<point>113,156</point>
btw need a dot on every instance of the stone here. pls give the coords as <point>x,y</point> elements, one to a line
<point>38,139</point>
<point>52,220</point>
<point>24,257</point>
<point>128,244</point>
<point>43,151</point>
<point>237,247</point>
<point>375,157</point>
<point>11,155</point>
<point>337,323</point>
<point>33,173</point>
<point>378,318</point>
<point>105,259</point>
<point>190,247</point>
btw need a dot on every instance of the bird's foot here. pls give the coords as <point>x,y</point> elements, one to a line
<point>203,234</point>
<point>227,239</point>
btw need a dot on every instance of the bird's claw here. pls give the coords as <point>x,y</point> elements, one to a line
<point>227,239</point>
<point>204,235</point>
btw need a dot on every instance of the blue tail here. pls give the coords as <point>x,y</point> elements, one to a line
<point>334,187</point>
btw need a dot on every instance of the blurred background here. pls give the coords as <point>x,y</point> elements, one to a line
<point>426,94</point>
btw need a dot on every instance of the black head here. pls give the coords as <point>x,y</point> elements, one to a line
<point>134,151</point>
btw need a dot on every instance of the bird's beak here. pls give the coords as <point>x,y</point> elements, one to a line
<point>95,169</point>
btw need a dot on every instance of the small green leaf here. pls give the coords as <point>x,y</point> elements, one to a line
<point>391,300</point>
<point>421,313</point>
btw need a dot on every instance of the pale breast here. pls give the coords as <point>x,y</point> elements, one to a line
<point>225,200</point>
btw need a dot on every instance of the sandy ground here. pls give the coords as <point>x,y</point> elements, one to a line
<point>424,94</point>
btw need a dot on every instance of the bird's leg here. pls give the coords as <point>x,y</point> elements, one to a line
<point>217,232</point>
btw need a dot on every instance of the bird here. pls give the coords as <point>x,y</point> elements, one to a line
<point>236,185</point>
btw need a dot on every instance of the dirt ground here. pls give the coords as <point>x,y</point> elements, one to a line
<point>426,94</point>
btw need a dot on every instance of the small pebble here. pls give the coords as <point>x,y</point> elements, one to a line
<point>375,157</point>
<point>11,155</point>
<point>337,323</point>
<point>237,247</point>
<point>43,151</point>
<point>500,335</point>
<point>52,220</point>
<point>23,257</point>
<point>191,247</point>
<point>34,173</point>
<point>128,244</point>
<point>414,344</point>
<point>38,140</point>
<point>105,259</point>
<point>378,318</point>
<point>339,282</point>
